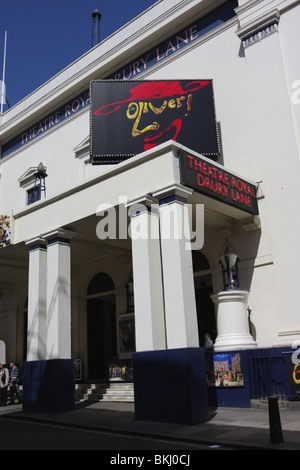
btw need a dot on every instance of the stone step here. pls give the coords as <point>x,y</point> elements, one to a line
<point>89,392</point>
<point>124,387</point>
<point>117,399</point>
<point>120,386</point>
<point>95,392</point>
<point>114,395</point>
<point>119,393</point>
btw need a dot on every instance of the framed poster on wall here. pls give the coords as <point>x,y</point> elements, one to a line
<point>127,334</point>
<point>292,370</point>
<point>224,370</point>
<point>77,369</point>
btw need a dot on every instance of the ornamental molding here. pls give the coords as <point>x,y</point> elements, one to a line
<point>251,224</point>
<point>28,177</point>
<point>260,28</point>
<point>83,149</point>
<point>224,231</point>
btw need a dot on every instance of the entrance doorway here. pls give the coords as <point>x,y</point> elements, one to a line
<point>203,290</point>
<point>101,325</point>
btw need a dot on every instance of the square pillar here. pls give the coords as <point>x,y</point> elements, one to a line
<point>58,294</point>
<point>146,260</point>
<point>163,277</point>
<point>49,368</point>
<point>177,264</point>
<point>37,299</point>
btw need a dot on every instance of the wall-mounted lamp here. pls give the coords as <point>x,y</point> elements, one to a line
<point>40,179</point>
<point>229,262</point>
<point>130,296</point>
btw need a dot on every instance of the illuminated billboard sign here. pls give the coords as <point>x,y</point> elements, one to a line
<point>131,117</point>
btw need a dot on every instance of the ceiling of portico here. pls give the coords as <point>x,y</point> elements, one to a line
<point>218,213</point>
<point>87,247</point>
<point>13,267</point>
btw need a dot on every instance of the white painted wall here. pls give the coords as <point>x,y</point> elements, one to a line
<point>260,135</point>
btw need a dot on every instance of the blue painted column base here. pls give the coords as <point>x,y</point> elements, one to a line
<point>48,385</point>
<point>170,386</point>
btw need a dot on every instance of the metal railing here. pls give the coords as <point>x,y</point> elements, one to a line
<point>267,375</point>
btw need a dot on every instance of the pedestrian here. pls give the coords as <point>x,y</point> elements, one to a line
<point>14,383</point>
<point>4,381</point>
<point>208,343</point>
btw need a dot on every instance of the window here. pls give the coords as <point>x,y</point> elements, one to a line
<point>33,182</point>
<point>33,194</point>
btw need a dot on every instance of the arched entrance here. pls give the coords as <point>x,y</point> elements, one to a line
<point>203,290</point>
<point>101,325</point>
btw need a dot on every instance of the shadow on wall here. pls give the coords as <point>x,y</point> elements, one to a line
<point>247,250</point>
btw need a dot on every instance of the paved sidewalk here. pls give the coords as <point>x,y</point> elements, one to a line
<point>243,428</point>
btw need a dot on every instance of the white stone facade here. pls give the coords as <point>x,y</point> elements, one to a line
<point>55,251</point>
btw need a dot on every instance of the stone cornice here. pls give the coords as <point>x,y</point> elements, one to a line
<point>259,28</point>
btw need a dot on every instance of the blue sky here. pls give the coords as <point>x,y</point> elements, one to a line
<point>43,37</point>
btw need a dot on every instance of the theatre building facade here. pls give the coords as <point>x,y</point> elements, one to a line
<point>149,194</point>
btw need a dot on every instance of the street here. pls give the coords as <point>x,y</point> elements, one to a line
<point>25,435</point>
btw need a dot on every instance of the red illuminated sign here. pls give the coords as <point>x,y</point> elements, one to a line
<point>214,181</point>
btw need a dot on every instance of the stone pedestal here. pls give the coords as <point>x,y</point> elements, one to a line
<point>232,321</point>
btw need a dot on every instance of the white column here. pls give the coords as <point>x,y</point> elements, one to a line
<point>37,300</point>
<point>59,294</point>
<point>178,278</point>
<point>147,276</point>
<point>232,321</point>
<point>2,352</point>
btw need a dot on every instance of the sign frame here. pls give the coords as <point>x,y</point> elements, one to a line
<point>213,180</point>
<point>222,373</point>
<point>122,126</point>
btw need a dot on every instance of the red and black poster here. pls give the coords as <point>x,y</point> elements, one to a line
<point>131,117</point>
<point>292,368</point>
